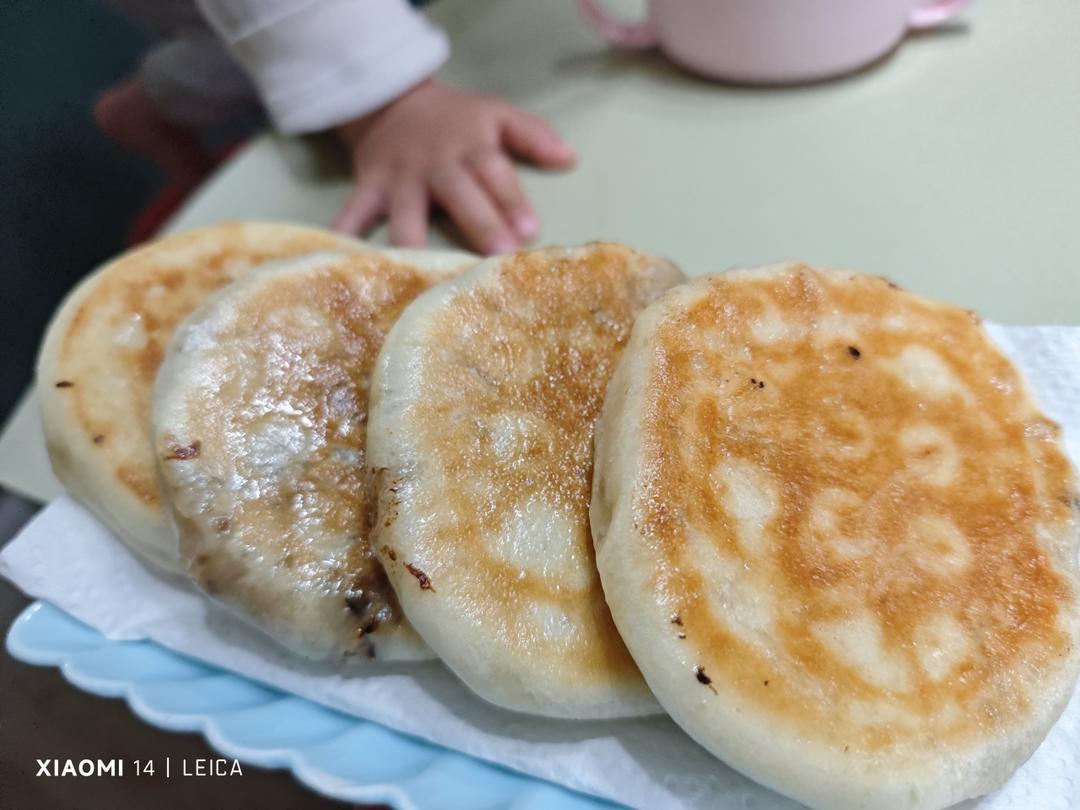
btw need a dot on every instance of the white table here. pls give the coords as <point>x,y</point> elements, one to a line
<point>953,166</point>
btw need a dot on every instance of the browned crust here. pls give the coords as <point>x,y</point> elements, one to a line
<point>541,341</point>
<point>325,377</point>
<point>1012,476</point>
<point>158,285</point>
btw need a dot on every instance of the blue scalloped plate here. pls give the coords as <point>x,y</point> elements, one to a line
<point>332,753</point>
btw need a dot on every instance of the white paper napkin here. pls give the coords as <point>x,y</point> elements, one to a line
<point>66,557</point>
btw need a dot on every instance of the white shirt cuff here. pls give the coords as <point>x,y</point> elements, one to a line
<point>321,63</point>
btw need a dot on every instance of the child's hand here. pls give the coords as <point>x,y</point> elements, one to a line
<point>436,144</point>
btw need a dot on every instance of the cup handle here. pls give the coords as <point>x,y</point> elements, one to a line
<point>625,35</point>
<point>935,12</point>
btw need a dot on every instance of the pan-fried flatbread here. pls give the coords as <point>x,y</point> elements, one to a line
<point>102,351</point>
<point>482,413</point>
<point>260,417</point>
<point>838,537</point>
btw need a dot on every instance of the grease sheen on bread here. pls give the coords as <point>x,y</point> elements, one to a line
<point>102,352</point>
<point>260,423</point>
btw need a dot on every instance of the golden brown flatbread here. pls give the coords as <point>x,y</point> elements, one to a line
<point>838,537</point>
<point>103,349</point>
<point>482,415</point>
<point>260,422</point>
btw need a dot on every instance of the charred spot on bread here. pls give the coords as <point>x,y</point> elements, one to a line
<point>421,577</point>
<point>184,452</point>
<point>702,678</point>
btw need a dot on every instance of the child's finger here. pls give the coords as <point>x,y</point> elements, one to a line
<point>364,206</point>
<point>409,214</point>
<point>533,139</point>
<point>496,174</point>
<point>472,208</point>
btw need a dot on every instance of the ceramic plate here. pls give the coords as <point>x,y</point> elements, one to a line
<point>332,753</point>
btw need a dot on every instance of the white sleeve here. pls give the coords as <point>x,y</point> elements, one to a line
<point>319,63</point>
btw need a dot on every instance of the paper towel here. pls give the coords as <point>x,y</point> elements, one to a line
<point>66,557</point>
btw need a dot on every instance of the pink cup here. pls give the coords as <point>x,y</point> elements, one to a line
<point>772,41</point>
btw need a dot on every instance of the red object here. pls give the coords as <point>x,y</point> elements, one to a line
<point>153,218</point>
